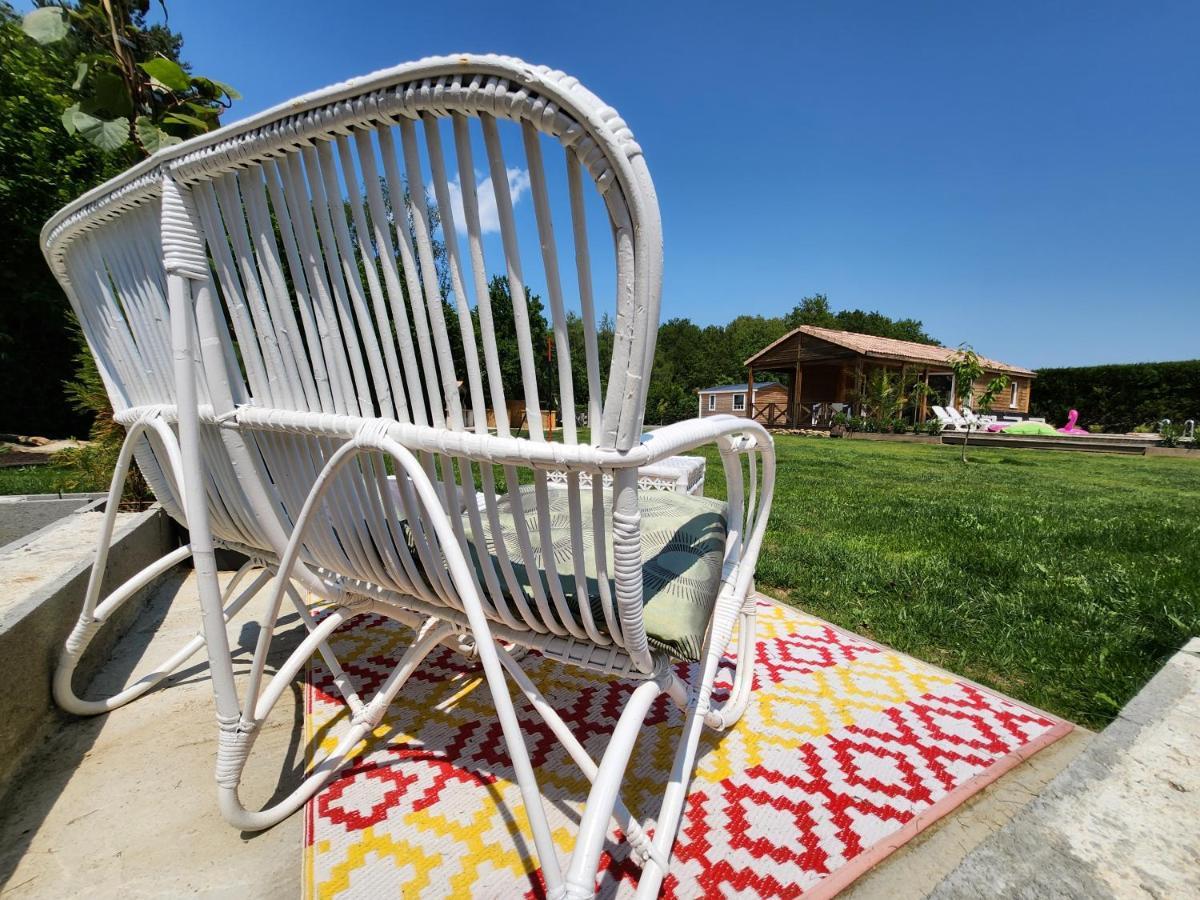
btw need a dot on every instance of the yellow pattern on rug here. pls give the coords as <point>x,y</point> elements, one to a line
<point>844,744</point>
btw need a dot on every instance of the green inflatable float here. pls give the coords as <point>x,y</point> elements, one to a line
<point>1031,428</point>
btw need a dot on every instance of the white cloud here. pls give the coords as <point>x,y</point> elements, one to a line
<point>489,218</point>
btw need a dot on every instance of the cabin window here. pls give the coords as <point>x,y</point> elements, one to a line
<point>739,402</point>
<point>1014,393</point>
<point>712,402</point>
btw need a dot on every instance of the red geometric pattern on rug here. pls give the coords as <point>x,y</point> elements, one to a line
<point>846,745</point>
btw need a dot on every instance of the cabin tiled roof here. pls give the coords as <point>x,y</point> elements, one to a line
<point>889,348</point>
<point>737,388</point>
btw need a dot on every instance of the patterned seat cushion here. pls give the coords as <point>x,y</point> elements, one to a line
<point>683,544</point>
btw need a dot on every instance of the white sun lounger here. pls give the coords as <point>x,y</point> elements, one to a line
<point>949,422</point>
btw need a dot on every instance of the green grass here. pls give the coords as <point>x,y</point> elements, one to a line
<point>31,480</point>
<point>1063,579</point>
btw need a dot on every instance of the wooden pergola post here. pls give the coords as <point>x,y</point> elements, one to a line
<point>750,392</point>
<point>791,398</point>
<point>799,404</point>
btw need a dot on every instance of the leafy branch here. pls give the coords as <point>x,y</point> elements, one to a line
<point>968,369</point>
<point>131,88</point>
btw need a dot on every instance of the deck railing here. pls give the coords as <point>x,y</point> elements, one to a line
<point>808,415</point>
<point>772,415</point>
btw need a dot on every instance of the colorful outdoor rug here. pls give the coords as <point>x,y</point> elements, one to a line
<point>848,749</point>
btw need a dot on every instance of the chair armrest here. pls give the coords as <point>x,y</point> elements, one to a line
<point>748,458</point>
<point>733,433</point>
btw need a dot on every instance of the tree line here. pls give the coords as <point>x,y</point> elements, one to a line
<point>687,356</point>
<point>78,105</point>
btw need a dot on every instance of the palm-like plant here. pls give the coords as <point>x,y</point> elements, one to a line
<point>882,395</point>
<point>919,392</point>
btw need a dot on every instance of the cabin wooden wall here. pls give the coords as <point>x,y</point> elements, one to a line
<point>762,396</point>
<point>1002,405</point>
<point>724,405</point>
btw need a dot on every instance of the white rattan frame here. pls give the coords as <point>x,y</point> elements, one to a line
<point>308,350</point>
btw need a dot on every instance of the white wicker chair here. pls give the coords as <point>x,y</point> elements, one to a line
<point>324,327</point>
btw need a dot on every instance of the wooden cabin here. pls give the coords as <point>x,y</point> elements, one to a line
<point>734,399</point>
<point>826,370</point>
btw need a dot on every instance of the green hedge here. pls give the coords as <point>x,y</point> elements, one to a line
<point>1120,397</point>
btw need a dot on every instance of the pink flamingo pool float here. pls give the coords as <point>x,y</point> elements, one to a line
<point>1071,427</point>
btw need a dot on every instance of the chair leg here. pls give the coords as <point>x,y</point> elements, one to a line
<point>635,835</point>
<point>727,716</point>
<point>671,813</point>
<point>95,612</point>
<point>580,881</point>
<point>88,626</point>
<point>340,678</point>
<point>603,802</point>
<point>236,742</point>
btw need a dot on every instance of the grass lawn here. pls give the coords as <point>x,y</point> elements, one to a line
<point>1064,579</point>
<point>31,480</point>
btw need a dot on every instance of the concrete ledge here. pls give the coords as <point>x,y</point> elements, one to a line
<point>44,580</point>
<point>124,805</point>
<point>1184,452</point>
<point>1121,821</point>
<point>22,515</point>
<point>1093,443</point>
<point>894,438</point>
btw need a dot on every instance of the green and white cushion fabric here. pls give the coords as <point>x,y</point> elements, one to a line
<point>683,545</point>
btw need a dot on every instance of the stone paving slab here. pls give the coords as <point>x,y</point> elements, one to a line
<point>125,805</point>
<point>1122,821</point>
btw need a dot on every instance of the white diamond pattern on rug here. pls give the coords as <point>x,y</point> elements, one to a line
<point>844,745</point>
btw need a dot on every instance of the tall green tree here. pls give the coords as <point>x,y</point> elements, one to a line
<point>746,335</point>
<point>677,364</point>
<point>508,347</point>
<point>815,310</point>
<point>86,88</point>
<point>42,168</point>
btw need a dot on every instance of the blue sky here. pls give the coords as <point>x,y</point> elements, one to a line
<point>1025,177</point>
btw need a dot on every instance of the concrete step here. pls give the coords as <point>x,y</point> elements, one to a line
<point>1086,444</point>
<point>125,806</point>
<point>44,576</point>
<point>1123,820</point>
<point>23,515</point>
